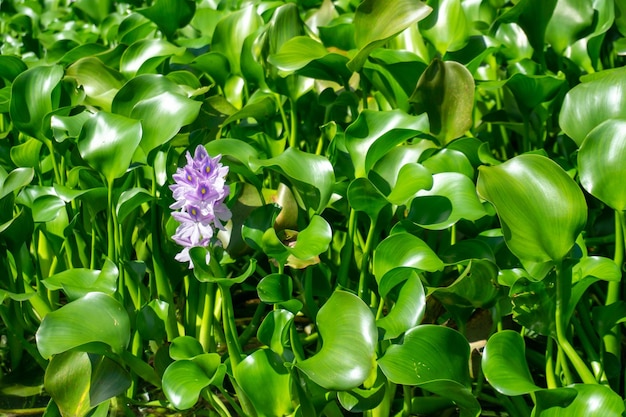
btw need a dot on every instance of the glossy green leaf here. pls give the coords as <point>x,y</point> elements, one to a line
<point>312,176</point>
<point>358,400</point>
<point>533,304</point>
<point>579,400</point>
<point>541,209</point>
<point>65,127</point>
<point>310,58</point>
<point>408,307</point>
<point>203,273</point>
<point>267,383</point>
<point>108,380</point>
<point>349,341</point>
<point>185,347</point>
<point>504,364</point>
<point>275,288</point>
<point>515,42</point>
<point>454,197</point>
<point>231,32</point>
<point>374,133</point>
<point>274,330</point>
<point>34,94</point>
<point>67,380</point>
<point>259,106</point>
<point>14,180</point>
<point>108,142</point>
<point>434,358</point>
<point>170,15</point>
<point>215,65</point>
<point>375,22</point>
<point>162,117</point>
<point>144,55</point>
<point>11,67</point>
<point>606,317</point>
<point>598,267</point>
<point>184,379</point>
<point>533,17</point>
<point>98,10</point>
<point>151,320</point>
<point>445,91</point>
<point>476,287</point>
<point>600,163</point>
<point>96,317</point>
<point>99,81</point>
<point>598,98</point>
<point>568,22</point>
<point>436,26</point>
<point>404,249</point>
<point>364,196</point>
<point>412,178</point>
<point>130,200</point>
<point>43,201</point>
<point>78,282</point>
<point>449,160</point>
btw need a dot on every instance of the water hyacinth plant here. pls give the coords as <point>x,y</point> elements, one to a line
<point>312,208</point>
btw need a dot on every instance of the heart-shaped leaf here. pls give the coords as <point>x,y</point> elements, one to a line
<point>34,94</point>
<point>108,142</point>
<point>580,400</point>
<point>96,317</point>
<point>445,91</point>
<point>541,209</point>
<point>374,133</point>
<point>600,163</point>
<point>266,382</point>
<point>504,364</point>
<point>274,330</point>
<point>170,15</point>
<point>184,379</point>
<point>404,249</point>
<point>99,81</point>
<point>408,308</point>
<point>377,21</point>
<point>311,175</point>
<point>349,341</point>
<point>598,98</point>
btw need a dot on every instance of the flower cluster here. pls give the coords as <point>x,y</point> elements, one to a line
<point>199,191</point>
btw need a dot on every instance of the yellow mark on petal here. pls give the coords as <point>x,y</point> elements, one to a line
<point>194,211</point>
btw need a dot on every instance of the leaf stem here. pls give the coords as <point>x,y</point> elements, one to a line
<point>563,293</point>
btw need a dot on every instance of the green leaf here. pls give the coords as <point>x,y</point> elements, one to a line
<point>349,341</point>
<point>108,380</point>
<point>99,81</point>
<point>108,142</point>
<point>78,282</point>
<point>408,307</point>
<point>541,209</point>
<point>434,358</point>
<point>185,347</point>
<point>266,382</point>
<point>504,364</point>
<point>170,15</point>
<point>533,17</point>
<point>145,55</point>
<point>308,57</point>
<point>377,21</point>
<point>374,133</point>
<point>231,32</point>
<point>34,94</point>
<point>312,176</point>
<point>476,287</point>
<point>14,180</point>
<point>436,26</point>
<point>579,400</point>
<point>445,91</point>
<point>600,163</point>
<point>275,288</point>
<point>274,330</point>
<point>598,98</point>
<point>96,317</point>
<point>67,380</point>
<point>364,196</point>
<point>451,198</point>
<point>11,67</point>
<point>98,10</point>
<point>569,20</point>
<point>184,379</point>
<point>130,200</point>
<point>151,320</point>
<point>412,178</point>
<point>404,249</point>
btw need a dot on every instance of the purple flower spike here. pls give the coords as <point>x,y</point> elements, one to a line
<point>199,190</point>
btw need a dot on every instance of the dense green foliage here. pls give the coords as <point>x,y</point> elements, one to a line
<point>427,207</point>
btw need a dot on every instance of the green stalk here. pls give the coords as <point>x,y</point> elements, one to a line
<point>364,274</point>
<point>612,339</point>
<point>550,371</point>
<point>594,358</point>
<point>347,252</point>
<point>205,335</point>
<point>563,293</point>
<point>230,327</point>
